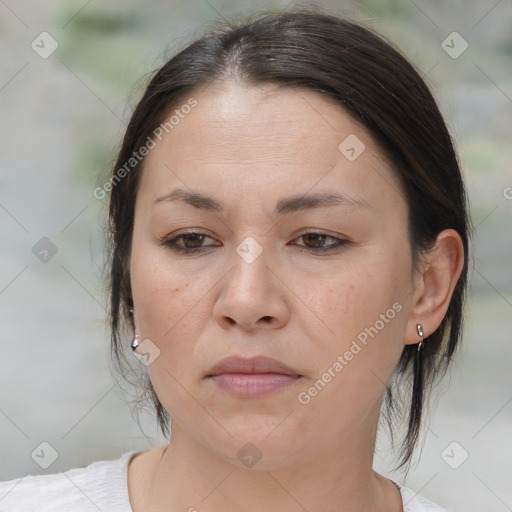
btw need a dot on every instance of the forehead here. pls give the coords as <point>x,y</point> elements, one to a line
<point>241,140</point>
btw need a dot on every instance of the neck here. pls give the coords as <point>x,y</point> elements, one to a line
<point>190,477</point>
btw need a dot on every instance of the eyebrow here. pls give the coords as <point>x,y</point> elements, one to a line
<point>296,203</point>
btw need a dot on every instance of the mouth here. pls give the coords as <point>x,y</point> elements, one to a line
<point>253,377</point>
<point>252,365</point>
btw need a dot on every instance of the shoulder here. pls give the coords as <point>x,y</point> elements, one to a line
<point>413,502</point>
<point>100,485</point>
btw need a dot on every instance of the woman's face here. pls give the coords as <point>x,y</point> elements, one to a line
<point>261,282</point>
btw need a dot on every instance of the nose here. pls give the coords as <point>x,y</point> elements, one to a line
<point>252,295</point>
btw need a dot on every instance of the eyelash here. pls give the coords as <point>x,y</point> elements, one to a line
<point>171,243</point>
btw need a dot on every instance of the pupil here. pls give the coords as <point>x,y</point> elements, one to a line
<point>198,239</point>
<point>319,238</point>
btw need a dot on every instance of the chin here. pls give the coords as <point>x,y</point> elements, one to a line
<point>264,444</point>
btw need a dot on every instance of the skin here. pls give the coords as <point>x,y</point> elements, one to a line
<point>248,147</point>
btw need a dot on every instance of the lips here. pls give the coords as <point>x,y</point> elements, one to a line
<point>253,365</point>
<point>252,378</point>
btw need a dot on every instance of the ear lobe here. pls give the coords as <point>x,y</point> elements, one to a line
<point>441,270</point>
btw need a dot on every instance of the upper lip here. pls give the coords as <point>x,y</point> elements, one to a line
<point>257,364</point>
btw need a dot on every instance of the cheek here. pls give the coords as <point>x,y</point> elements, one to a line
<point>167,302</point>
<point>356,298</point>
<point>168,312</point>
<point>365,309</point>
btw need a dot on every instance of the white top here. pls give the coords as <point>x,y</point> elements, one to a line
<point>103,486</point>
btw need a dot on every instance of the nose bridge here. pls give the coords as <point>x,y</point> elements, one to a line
<point>251,265</point>
<point>252,232</point>
<point>251,292</point>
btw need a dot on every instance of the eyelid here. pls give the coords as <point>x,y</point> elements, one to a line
<point>317,231</point>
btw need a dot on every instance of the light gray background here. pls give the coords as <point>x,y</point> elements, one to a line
<point>61,121</point>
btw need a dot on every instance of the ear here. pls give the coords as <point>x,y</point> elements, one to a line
<point>438,276</point>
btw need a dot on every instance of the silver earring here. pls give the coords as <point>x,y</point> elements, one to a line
<point>136,337</point>
<point>135,341</point>
<point>420,332</point>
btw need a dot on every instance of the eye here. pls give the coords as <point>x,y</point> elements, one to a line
<point>316,241</point>
<point>191,242</point>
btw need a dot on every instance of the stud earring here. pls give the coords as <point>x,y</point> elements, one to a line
<point>420,332</point>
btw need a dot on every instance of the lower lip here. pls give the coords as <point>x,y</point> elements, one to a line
<point>250,385</point>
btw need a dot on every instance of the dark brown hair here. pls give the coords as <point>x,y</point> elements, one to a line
<point>373,82</point>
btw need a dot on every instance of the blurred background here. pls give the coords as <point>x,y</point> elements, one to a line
<point>70,73</point>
